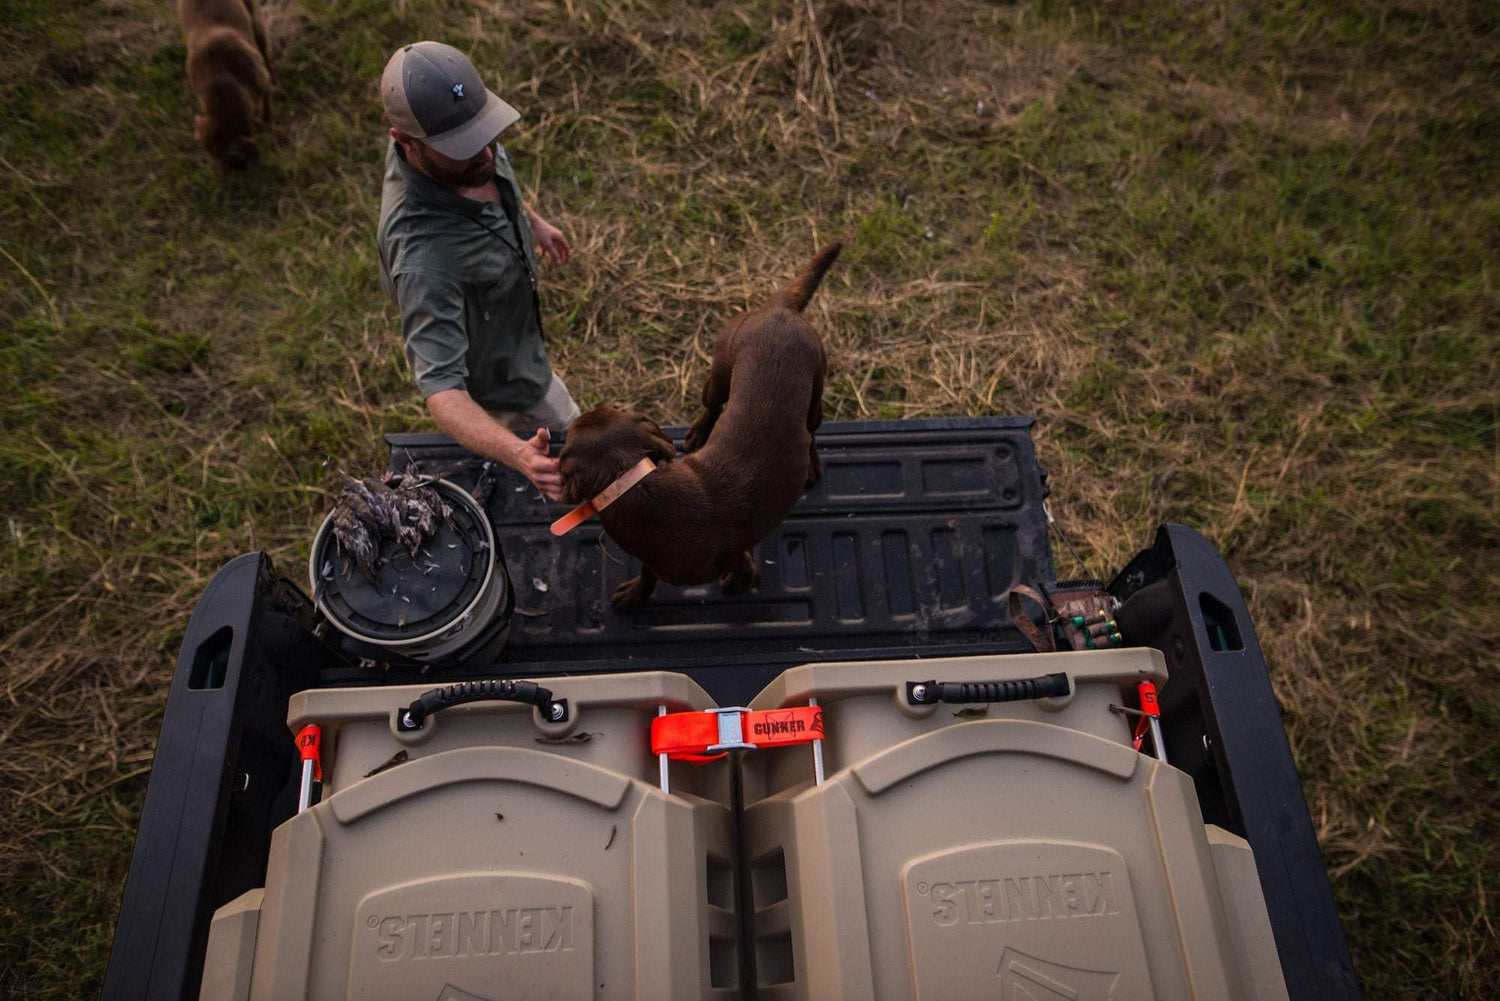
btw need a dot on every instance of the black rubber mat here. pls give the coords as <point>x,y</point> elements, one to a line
<point>903,549</point>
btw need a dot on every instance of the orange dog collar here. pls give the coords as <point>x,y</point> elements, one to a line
<point>604,498</point>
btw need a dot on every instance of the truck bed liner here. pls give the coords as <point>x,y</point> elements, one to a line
<point>903,549</point>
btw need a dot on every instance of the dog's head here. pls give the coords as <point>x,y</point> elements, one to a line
<point>602,445</point>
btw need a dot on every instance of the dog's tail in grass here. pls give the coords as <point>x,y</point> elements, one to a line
<point>796,295</point>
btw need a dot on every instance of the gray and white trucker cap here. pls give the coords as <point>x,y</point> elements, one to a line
<point>433,93</point>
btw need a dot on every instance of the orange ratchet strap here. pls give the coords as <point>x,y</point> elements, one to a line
<point>605,498</point>
<point>707,735</point>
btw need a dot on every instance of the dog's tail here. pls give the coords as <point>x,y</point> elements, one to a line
<point>796,295</point>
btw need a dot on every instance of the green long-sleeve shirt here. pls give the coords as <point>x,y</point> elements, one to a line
<point>469,317</point>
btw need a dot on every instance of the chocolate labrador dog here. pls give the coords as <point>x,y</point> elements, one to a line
<point>750,454</point>
<point>229,67</point>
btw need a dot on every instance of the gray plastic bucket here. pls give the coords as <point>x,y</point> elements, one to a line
<point>428,608</point>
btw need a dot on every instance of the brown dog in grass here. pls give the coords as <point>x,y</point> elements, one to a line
<point>229,67</point>
<point>750,454</point>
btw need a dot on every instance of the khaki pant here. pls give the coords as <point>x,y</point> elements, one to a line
<point>555,411</point>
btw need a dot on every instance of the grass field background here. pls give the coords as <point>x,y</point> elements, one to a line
<point>1240,259</point>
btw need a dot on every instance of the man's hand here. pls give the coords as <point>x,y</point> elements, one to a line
<point>456,413</point>
<point>549,239</point>
<point>552,244</point>
<point>534,462</point>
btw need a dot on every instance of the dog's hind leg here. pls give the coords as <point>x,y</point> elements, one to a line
<point>814,421</point>
<point>632,595</point>
<point>741,578</point>
<point>715,395</point>
<point>262,41</point>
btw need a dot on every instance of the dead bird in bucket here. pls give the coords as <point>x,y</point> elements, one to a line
<point>370,509</point>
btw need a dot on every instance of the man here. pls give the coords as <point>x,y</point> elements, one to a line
<point>458,251</point>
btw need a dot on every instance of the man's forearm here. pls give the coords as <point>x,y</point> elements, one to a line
<point>472,427</point>
<point>458,414</point>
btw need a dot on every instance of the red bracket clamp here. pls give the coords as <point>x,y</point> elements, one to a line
<point>1149,720</point>
<point>310,746</point>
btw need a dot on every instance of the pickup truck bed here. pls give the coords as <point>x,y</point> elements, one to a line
<point>903,550</point>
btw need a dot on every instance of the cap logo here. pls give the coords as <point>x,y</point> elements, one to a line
<point>458,92</point>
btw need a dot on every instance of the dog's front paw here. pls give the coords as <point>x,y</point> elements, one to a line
<point>736,582</point>
<point>741,578</point>
<point>631,596</point>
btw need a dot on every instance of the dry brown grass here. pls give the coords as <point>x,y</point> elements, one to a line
<point>1241,264</point>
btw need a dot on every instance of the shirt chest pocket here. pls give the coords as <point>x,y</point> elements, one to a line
<point>501,301</point>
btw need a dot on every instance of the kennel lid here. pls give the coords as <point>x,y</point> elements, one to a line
<point>410,598</point>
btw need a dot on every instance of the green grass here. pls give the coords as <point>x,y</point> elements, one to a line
<point>1240,260</point>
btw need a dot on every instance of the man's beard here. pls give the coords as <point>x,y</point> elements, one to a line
<point>471,175</point>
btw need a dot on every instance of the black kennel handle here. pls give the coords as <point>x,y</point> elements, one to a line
<point>926,693</point>
<point>490,689</point>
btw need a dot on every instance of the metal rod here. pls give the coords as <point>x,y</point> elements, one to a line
<point>661,710</point>
<point>304,798</point>
<point>817,754</point>
<point>1156,740</point>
